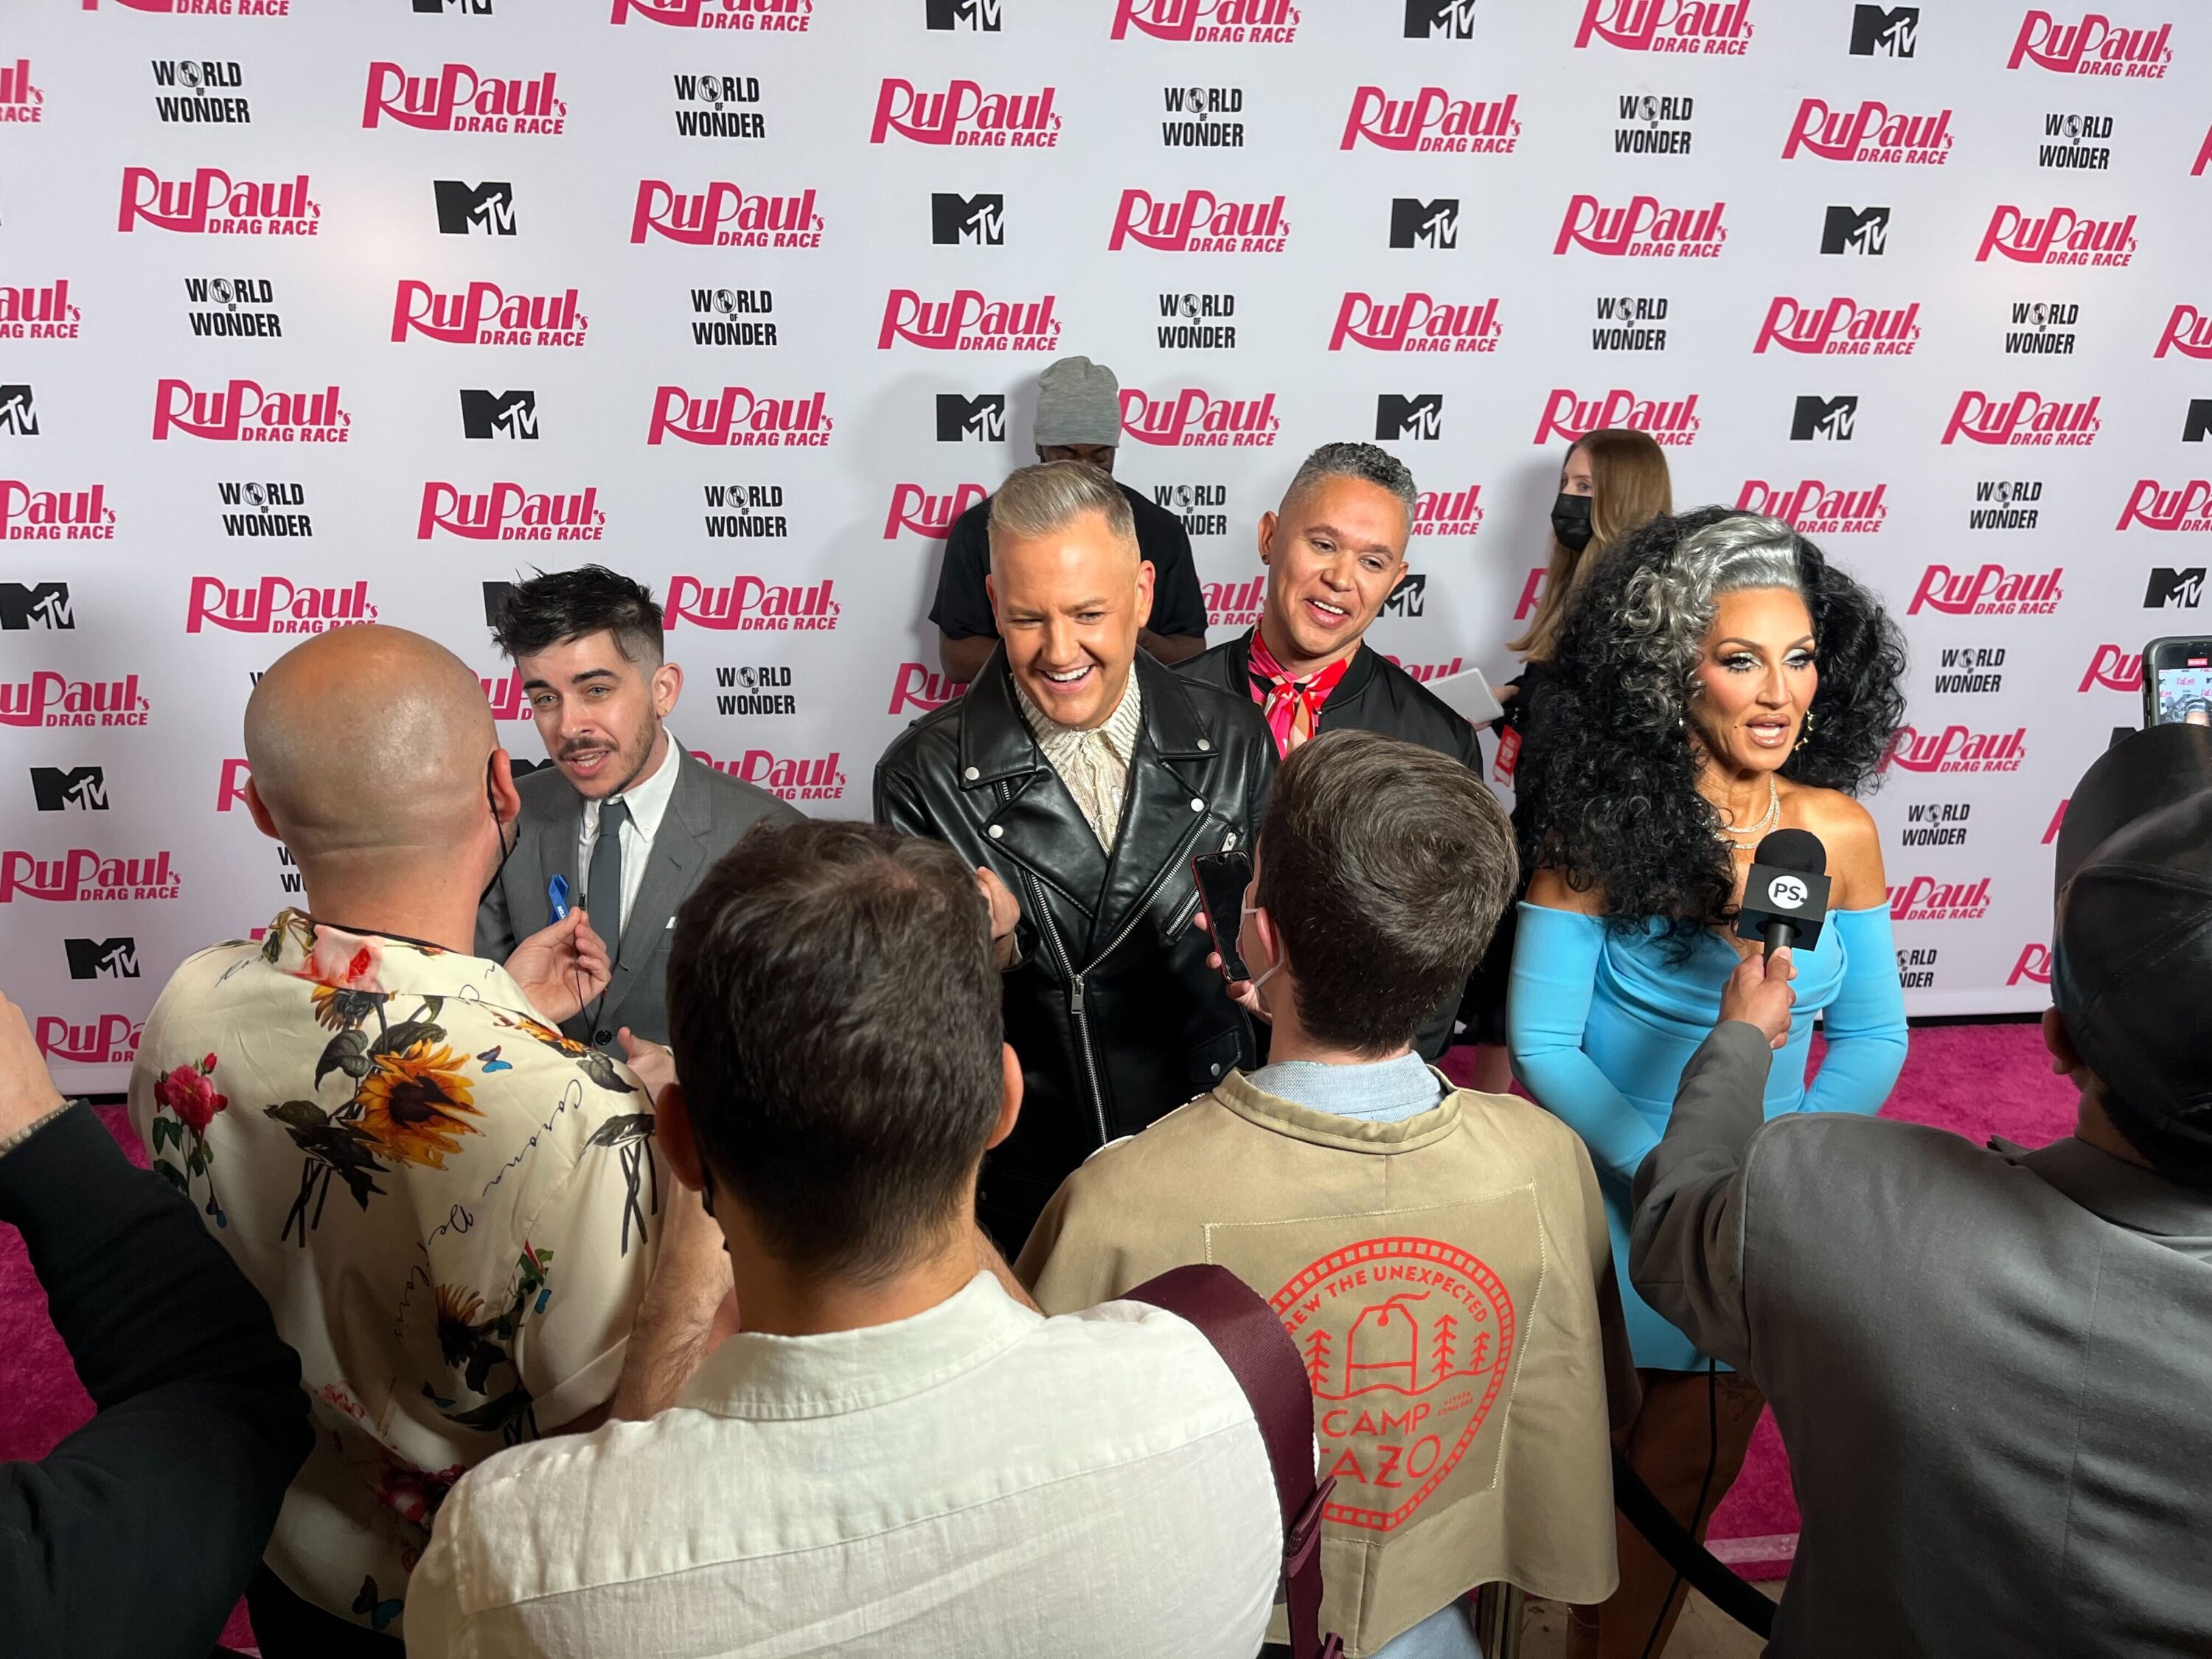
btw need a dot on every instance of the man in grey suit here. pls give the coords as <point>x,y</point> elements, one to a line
<point>1992,1367</point>
<point>622,818</point>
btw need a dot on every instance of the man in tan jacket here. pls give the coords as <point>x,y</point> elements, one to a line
<point>1439,1255</point>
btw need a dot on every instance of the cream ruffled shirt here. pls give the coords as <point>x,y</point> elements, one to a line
<point>1093,764</point>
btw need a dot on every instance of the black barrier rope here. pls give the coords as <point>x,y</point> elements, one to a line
<point>1695,1563</point>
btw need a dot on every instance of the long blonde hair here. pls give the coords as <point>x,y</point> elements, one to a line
<point>1629,488</point>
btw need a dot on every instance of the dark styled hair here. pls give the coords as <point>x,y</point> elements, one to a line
<point>1369,462</point>
<point>554,605</point>
<point>1608,771</point>
<point>1385,866</point>
<point>834,1010</point>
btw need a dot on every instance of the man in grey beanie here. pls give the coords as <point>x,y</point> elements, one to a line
<point>1078,418</point>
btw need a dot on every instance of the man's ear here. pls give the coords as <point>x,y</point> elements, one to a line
<point>667,686</point>
<point>1010,1098</point>
<point>2065,1059</point>
<point>672,1115</point>
<point>1268,523</point>
<point>506,799</point>
<point>257,809</point>
<point>991,593</point>
<point>1145,576</point>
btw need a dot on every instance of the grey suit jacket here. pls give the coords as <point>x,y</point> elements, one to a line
<point>707,812</point>
<point>1992,1369</point>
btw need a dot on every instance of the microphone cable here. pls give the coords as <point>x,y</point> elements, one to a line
<point>1705,1486</point>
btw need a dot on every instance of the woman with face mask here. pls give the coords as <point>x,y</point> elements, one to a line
<point>1613,481</point>
<point>1716,679</point>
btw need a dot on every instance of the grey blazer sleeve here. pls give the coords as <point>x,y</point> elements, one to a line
<point>495,939</point>
<point>1686,1249</point>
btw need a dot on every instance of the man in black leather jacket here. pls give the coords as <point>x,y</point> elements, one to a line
<point>1334,551</point>
<point>1080,777</point>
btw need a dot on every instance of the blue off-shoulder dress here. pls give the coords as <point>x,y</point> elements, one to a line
<point>1601,1023</point>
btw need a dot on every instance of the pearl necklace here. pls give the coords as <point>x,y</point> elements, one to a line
<point>1752,832</point>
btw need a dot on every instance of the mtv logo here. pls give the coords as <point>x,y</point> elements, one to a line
<point>1824,417</point>
<point>1410,597</point>
<point>499,414</point>
<point>453,7</point>
<point>102,958</point>
<point>1417,417</point>
<point>980,15</point>
<point>1885,30</point>
<point>1425,224</point>
<point>59,789</point>
<point>1447,20</point>
<point>463,209</point>
<point>971,420</point>
<point>494,601</point>
<point>16,415</point>
<point>2174,590</point>
<point>1855,230</point>
<point>957,219</point>
<point>46,603</point>
<point>2197,425</point>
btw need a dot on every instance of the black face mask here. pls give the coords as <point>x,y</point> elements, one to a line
<point>1571,521</point>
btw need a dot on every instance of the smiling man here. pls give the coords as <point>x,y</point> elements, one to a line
<point>623,816</point>
<point>1334,549</point>
<point>1078,776</point>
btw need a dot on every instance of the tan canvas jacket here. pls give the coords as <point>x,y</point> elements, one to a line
<point>1443,1276</point>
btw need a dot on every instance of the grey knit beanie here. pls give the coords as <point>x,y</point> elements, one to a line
<point>1078,402</point>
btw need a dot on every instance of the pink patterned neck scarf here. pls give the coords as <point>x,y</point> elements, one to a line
<point>1292,706</point>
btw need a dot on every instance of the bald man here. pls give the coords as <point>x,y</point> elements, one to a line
<point>452,1208</point>
<point>1079,776</point>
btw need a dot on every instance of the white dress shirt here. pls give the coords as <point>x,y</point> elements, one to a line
<point>647,800</point>
<point>1094,763</point>
<point>975,1481</point>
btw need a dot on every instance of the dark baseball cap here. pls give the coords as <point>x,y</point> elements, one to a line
<point>2131,962</point>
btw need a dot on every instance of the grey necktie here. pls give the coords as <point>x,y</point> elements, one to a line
<point>603,887</point>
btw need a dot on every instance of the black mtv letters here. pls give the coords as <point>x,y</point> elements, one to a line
<point>1824,417</point>
<point>1425,224</point>
<point>1410,597</point>
<point>1449,20</point>
<point>59,788</point>
<point>957,219</point>
<point>1855,230</point>
<point>494,600</point>
<point>1889,31</point>
<point>980,419</point>
<point>499,414</point>
<point>978,15</point>
<point>463,208</point>
<point>1420,416</point>
<point>102,958</point>
<point>46,603</point>
<point>2174,590</point>
<point>16,415</point>
<point>2197,425</point>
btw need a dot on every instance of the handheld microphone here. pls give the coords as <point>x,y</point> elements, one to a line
<point>557,893</point>
<point>1785,896</point>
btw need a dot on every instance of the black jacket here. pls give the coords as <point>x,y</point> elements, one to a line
<point>1375,695</point>
<point>136,1534</point>
<point>1110,1005</point>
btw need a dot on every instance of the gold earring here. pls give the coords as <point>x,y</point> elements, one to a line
<point>1804,732</point>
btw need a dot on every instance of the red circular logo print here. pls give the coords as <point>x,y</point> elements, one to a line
<point>1406,1342</point>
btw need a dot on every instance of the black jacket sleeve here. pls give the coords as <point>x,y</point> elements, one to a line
<point>135,1535</point>
<point>963,611</point>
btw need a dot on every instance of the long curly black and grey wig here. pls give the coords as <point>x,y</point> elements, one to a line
<point>1610,771</point>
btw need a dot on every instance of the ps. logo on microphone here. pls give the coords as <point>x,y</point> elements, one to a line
<point>1786,893</point>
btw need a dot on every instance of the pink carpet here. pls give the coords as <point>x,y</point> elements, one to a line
<point>1975,1080</point>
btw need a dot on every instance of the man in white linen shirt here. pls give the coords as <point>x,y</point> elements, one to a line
<point>895,1457</point>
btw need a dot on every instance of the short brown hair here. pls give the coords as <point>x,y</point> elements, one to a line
<point>835,1014</point>
<point>1385,867</point>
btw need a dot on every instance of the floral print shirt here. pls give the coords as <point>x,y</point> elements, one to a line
<point>450,1208</point>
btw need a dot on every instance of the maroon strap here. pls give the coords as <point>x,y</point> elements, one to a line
<point>1260,1354</point>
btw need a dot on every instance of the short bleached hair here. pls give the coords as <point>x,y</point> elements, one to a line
<point>1035,501</point>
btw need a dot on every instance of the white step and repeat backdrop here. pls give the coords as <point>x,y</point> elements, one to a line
<point>314,311</point>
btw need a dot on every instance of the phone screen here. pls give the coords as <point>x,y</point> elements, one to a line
<point>2185,691</point>
<point>1221,878</point>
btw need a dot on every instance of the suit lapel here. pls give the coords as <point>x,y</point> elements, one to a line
<point>672,870</point>
<point>1037,824</point>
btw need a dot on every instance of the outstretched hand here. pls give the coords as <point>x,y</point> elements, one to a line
<point>1759,994</point>
<point>562,968</point>
<point>1241,992</point>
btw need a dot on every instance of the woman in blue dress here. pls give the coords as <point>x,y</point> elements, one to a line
<point>1717,680</point>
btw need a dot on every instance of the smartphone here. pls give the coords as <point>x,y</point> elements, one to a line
<point>1221,878</point>
<point>2177,677</point>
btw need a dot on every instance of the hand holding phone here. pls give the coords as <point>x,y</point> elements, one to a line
<point>1221,878</point>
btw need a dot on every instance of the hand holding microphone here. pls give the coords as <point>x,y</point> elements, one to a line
<point>1785,901</point>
